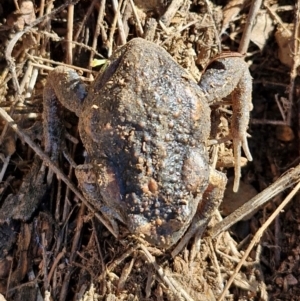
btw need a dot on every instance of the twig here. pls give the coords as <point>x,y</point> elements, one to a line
<point>64,288</point>
<point>178,30</point>
<point>102,266</point>
<point>32,277</point>
<point>103,31</point>
<point>295,57</point>
<point>17,4</point>
<point>113,29</point>
<point>287,180</point>
<point>137,19</point>
<point>116,262</point>
<point>11,45</point>
<point>56,38</point>
<point>97,33</point>
<point>85,18</point>
<point>267,121</point>
<point>4,167</point>
<point>25,79</point>
<point>18,35</point>
<point>277,200</point>
<point>171,11</point>
<point>198,225</point>
<point>176,289</point>
<point>280,107</point>
<point>43,66</point>
<point>125,273</point>
<point>257,237</point>
<point>32,81</point>
<point>69,51</point>
<point>75,246</point>
<point>256,4</point>
<point>42,50</point>
<point>219,279</point>
<point>55,263</point>
<point>117,8</point>
<point>217,37</point>
<point>45,263</point>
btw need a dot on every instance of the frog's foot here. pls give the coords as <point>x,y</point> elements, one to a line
<point>230,76</point>
<point>211,200</point>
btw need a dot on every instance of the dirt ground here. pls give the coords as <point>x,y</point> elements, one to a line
<point>53,245</point>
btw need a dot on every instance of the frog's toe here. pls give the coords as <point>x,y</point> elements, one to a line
<point>246,147</point>
<point>239,143</point>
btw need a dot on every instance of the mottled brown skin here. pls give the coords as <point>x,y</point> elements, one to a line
<point>144,125</point>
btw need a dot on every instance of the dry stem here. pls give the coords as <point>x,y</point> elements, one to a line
<point>257,237</point>
<point>287,180</point>
<point>256,4</point>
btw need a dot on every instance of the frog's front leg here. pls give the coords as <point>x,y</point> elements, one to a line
<point>227,76</point>
<point>63,88</point>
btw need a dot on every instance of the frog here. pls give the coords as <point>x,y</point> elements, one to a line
<point>145,125</point>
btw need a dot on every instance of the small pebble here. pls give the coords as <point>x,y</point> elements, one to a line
<point>284,133</point>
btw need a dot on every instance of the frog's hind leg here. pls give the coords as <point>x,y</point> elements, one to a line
<point>211,200</point>
<point>90,181</point>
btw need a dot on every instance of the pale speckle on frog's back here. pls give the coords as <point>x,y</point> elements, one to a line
<point>151,123</point>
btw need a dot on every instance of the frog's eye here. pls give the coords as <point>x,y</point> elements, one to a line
<point>195,171</point>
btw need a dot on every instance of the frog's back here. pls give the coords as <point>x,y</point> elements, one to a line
<point>148,119</point>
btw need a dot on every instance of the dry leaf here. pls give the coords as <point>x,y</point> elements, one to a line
<point>2,298</point>
<point>291,280</point>
<point>19,18</point>
<point>231,10</point>
<point>284,39</point>
<point>262,29</point>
